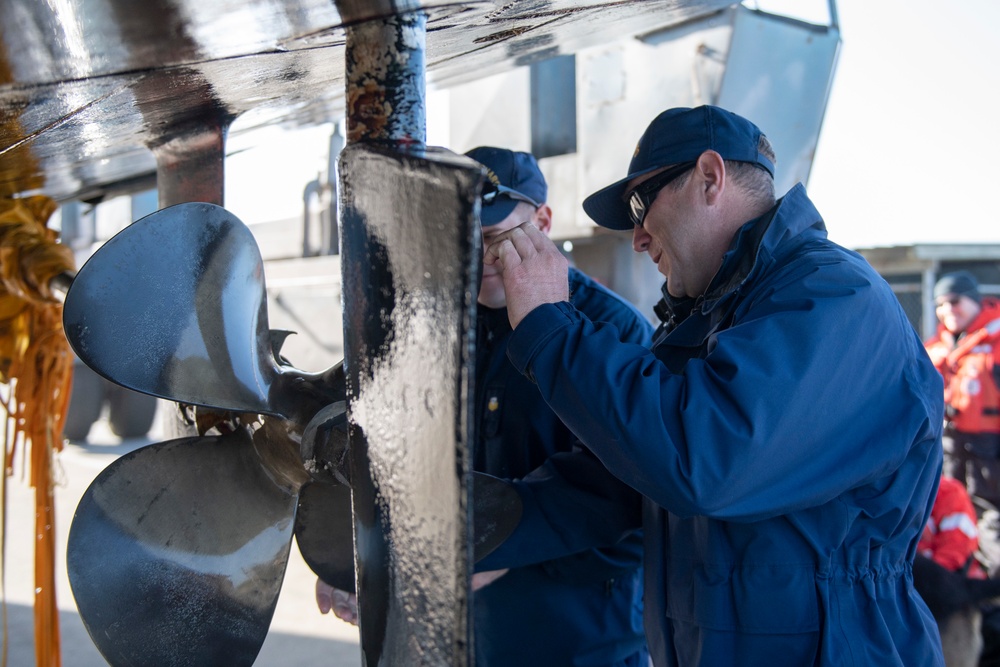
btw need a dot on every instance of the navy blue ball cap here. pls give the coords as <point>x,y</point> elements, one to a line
<point>676,136</point>
<point>512,177</point>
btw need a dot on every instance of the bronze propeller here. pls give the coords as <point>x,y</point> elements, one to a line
<point>177,550</point>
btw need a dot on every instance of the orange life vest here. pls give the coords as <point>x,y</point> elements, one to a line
<point>951,535</point>
<point>971,395</point>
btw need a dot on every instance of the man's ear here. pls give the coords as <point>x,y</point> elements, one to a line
<point>711,169</point>
<point>543,218</point>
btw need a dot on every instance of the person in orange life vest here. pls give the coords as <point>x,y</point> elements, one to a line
<point>951,536</point>
<point>966,351</point>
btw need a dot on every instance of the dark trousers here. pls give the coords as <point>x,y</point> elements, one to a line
<point>974,460</point>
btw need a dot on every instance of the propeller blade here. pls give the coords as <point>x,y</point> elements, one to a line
<point>324,531</point>
<point>324,525</point>
<point>496,512</point>
<point>175,306</point>
<point>177,553</point>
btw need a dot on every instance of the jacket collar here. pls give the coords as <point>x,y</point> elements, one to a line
<point>754,246</point>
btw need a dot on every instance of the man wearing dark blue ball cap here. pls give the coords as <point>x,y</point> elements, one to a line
<point>584,608</point>
<point>784,428</point>
<point>515,192</point>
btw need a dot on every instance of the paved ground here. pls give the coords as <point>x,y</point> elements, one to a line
<point>299,634</point>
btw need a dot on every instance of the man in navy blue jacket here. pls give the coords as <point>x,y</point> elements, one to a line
<point>784,428</point>
<point>585,607</point>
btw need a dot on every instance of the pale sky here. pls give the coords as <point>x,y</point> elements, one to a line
<point>907,149</point>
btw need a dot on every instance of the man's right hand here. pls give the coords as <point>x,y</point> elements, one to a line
<point>534,271</point>
<point>343,604</point>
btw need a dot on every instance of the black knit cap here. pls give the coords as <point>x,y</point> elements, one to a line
<point>959,282</point>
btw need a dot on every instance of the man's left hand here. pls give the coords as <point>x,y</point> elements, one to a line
<point>483,579</point>
<point>343,604</point>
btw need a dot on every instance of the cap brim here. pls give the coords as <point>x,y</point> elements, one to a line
<point>606,207</point>
<point>497,212</point>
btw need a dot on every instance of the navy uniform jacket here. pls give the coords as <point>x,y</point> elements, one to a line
<point>582,609</point>
<point>785,434</point>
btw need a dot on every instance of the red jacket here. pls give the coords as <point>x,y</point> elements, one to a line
<point>951,536</point>
<point>971,395</point>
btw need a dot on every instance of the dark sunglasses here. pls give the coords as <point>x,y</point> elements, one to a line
<point>642,196</point>
<point>491,191</point>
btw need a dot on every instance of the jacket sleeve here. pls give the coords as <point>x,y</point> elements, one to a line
<point>819,386</point>
<point>603,510</point>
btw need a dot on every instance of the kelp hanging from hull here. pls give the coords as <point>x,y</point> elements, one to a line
<point>36,365</point>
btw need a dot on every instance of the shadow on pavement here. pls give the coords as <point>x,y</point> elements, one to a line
<point>279,650</point>
<point>114,449</point>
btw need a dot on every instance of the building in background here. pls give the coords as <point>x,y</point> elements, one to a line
<point>912,270</point>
